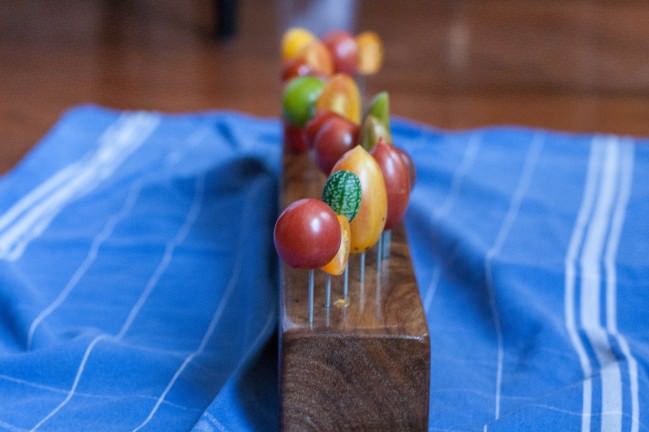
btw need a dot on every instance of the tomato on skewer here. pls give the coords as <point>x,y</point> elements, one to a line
<point>307,234</point>
<point>367,226</point>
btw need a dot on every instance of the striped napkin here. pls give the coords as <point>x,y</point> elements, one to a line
<point>138,279</point>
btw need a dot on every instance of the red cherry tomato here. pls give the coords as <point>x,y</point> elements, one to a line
<point>344,51</point>
<point>410,164</point>
<point>294,138</point>
<point>397,181</point>
<point>296,68</point>
<point>307,234</point>
<point>314,125</point>
<point>336,136</point>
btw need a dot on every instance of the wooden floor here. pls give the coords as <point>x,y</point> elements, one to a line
<point>563,64</point>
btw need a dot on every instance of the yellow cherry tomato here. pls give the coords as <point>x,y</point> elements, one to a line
<point>367,226</point>
<point>294,41</point>
<point>337,265</point>
<point>370,53</point>
<point>341,95</point>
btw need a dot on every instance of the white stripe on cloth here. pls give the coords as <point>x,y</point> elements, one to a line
<point>591,258</point>
<point>87,262</point>
<point>269,322</point>
<point>232,284</point>
<point>45,188</point>
<point>106,232</point>
<point>585,209</point>
<point>524,181</point>
<point>614,422</point>
<point>594,166</point>
<point>48,388</point>
<point>116,145</point>
<point>11,428</point>
<point>151,284</point>
<point>466,163</point>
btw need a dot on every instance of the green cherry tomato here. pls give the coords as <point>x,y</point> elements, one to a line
<point>300,96</point>
<point>379,108</point>
<point>371,132</point>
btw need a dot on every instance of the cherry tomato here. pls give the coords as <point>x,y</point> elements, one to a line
<point>294,41</point>
<point>367,226</point>
<point>335,138</point>
<point>341,95</point>
<point>296,68</point>
<point>307,234</point>
<point>318,57</point>
<point>337,265</point>
<point>397,181</point>
<point>294,138</point>
<point>314,125</point>
<point>407,160</point>
<point>300,95</point>
<point>344,51</point>
<point>370,53</point>
<point>371,132</point>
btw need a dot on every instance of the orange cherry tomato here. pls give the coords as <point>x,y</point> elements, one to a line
<point>337,265</point>
<point>370,53</point>
<point>341,95</point>
<point>367,226</point>
<point>294,41</point>
<point>317,56</point>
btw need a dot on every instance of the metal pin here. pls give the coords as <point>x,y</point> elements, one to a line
<point>379,253</point>
<point>311,295</point>
<point>362,268</point>
<point>328,292</point>
<point>346,284</point>
<point>387,234</point>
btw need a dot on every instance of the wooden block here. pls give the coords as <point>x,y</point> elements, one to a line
<point>361,367</point>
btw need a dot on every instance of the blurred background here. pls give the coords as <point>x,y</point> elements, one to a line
<point>578,65</point>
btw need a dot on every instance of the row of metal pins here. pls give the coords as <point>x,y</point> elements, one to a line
<point>382,252</point>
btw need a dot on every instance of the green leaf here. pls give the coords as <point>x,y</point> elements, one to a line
<point>342,193</point>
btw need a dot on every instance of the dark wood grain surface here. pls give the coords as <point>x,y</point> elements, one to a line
<point>579,65</point>
<point>360,366</point>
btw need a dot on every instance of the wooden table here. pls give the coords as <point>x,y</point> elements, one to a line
<point>573,65</point>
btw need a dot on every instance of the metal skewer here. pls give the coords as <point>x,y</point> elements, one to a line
<point>362,269</point>
<point>346,284</point>
<point>328,292</point>
<point>311,295</point>
<point>387,234</point>
<point>379,253</point>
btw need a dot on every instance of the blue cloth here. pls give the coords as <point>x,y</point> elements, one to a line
<point>138,278</point>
